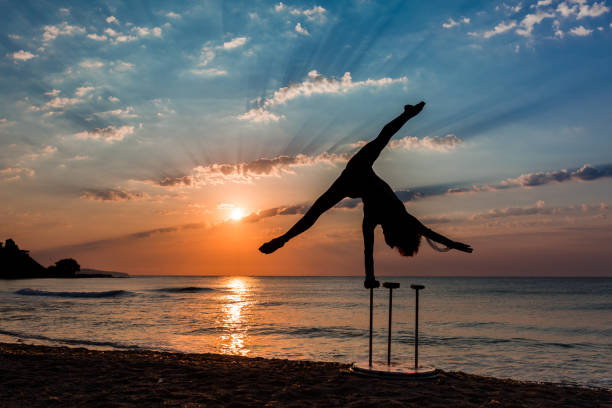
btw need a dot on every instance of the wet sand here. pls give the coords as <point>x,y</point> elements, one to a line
<point>38,376</point>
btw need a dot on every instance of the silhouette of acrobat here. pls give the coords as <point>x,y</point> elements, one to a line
<point>380,204</point>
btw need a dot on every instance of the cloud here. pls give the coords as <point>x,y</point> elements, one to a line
<point>247,172</point>
<point>51,32</point>
<point>112,195</point>
<point>209,72</point>
<point>9,174</point>
<point>83,90</point>
<point>234,43</point>
<point>113,99</point>
<point>565,10</point>
<point>145,31</point>
<point>538,208</point>
<point>57,103</point>
<point>314,84</point>
<point>580,31</point>
<point>22,55</point>
<point>124,38</point>
<point>588,172</point>
<point>441,144</point>
<point>44,152</point>
<point>124,113</point>
<point>316,13</point>
<point>301,30</point>
<point>557,27</point>
<point>64,11</point>
<point>122,66</point>
<point>108,134</point>
<point>512,9</point>
<point>271,212</point>
<point>542,3</point>
<point>112,33</point>
<point>596,10</point>
<point>91,64</point>
<point>531,20</point>
<point>260,115</point>
<point>117,37</point>
<point>112,19</point>
<point>530,180</point>
<point>499,29</point>
<point>179,181</point>
<point>452,23</point>
<point>206,56</point>
<point>97,37</point>
<point>172,14</point>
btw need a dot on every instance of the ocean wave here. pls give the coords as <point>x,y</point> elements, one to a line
<point>309,332</point>
<point>106,294</point>
<point>72,342</point>
<point>272,303</point>
<point>185,289</point>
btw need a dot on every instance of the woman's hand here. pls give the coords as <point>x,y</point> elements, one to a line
<point>460,246</point>
<point>413,110</point>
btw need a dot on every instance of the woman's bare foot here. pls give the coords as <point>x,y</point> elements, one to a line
<point>414,110</point>
<point>272,245</point>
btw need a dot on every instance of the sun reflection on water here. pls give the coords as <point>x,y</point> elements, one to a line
<point>237,303</point>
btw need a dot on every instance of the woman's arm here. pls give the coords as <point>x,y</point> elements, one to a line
<point>368,246</point>
<point>368,249</point>
<point>434,236</point>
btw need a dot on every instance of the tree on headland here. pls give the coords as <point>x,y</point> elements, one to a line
<point>17,263</point>
<point>64,268</point>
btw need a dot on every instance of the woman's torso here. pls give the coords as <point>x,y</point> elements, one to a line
<point>379,200</point>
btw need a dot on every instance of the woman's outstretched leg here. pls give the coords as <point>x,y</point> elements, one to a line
<point>327,200</point>
<point>370,152</point>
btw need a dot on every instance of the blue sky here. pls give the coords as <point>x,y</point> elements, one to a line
<point>118,118</point>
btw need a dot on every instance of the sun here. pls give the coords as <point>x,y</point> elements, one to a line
<point>237,214</point>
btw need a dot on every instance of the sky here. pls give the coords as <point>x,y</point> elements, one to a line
<point>177,137</point>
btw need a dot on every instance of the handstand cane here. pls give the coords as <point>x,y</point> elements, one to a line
<point>416,325</point>
<point>390,286</point>
<point>371,316</point>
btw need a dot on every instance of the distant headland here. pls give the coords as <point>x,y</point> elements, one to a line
<point>17,263</point>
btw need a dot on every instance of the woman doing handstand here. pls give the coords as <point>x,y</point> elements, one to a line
<point>380,204</point>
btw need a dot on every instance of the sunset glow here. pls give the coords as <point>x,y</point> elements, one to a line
<point>237,214</point>
<point>177,138</point>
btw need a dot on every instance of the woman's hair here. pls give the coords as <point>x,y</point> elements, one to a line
<point>409,245</point>
<point>402,235</point>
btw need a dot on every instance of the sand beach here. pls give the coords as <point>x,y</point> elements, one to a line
<point>41,376</point>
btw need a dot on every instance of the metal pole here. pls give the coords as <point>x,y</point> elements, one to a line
<point>371,319</point>
<point>390,286</point>
<point>416,332</point>
<point>416,326</point>
<point>389,340</point>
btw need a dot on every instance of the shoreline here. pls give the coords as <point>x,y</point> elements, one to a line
<point>61,376</point>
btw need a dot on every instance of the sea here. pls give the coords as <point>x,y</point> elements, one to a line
<point>535,329</point>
